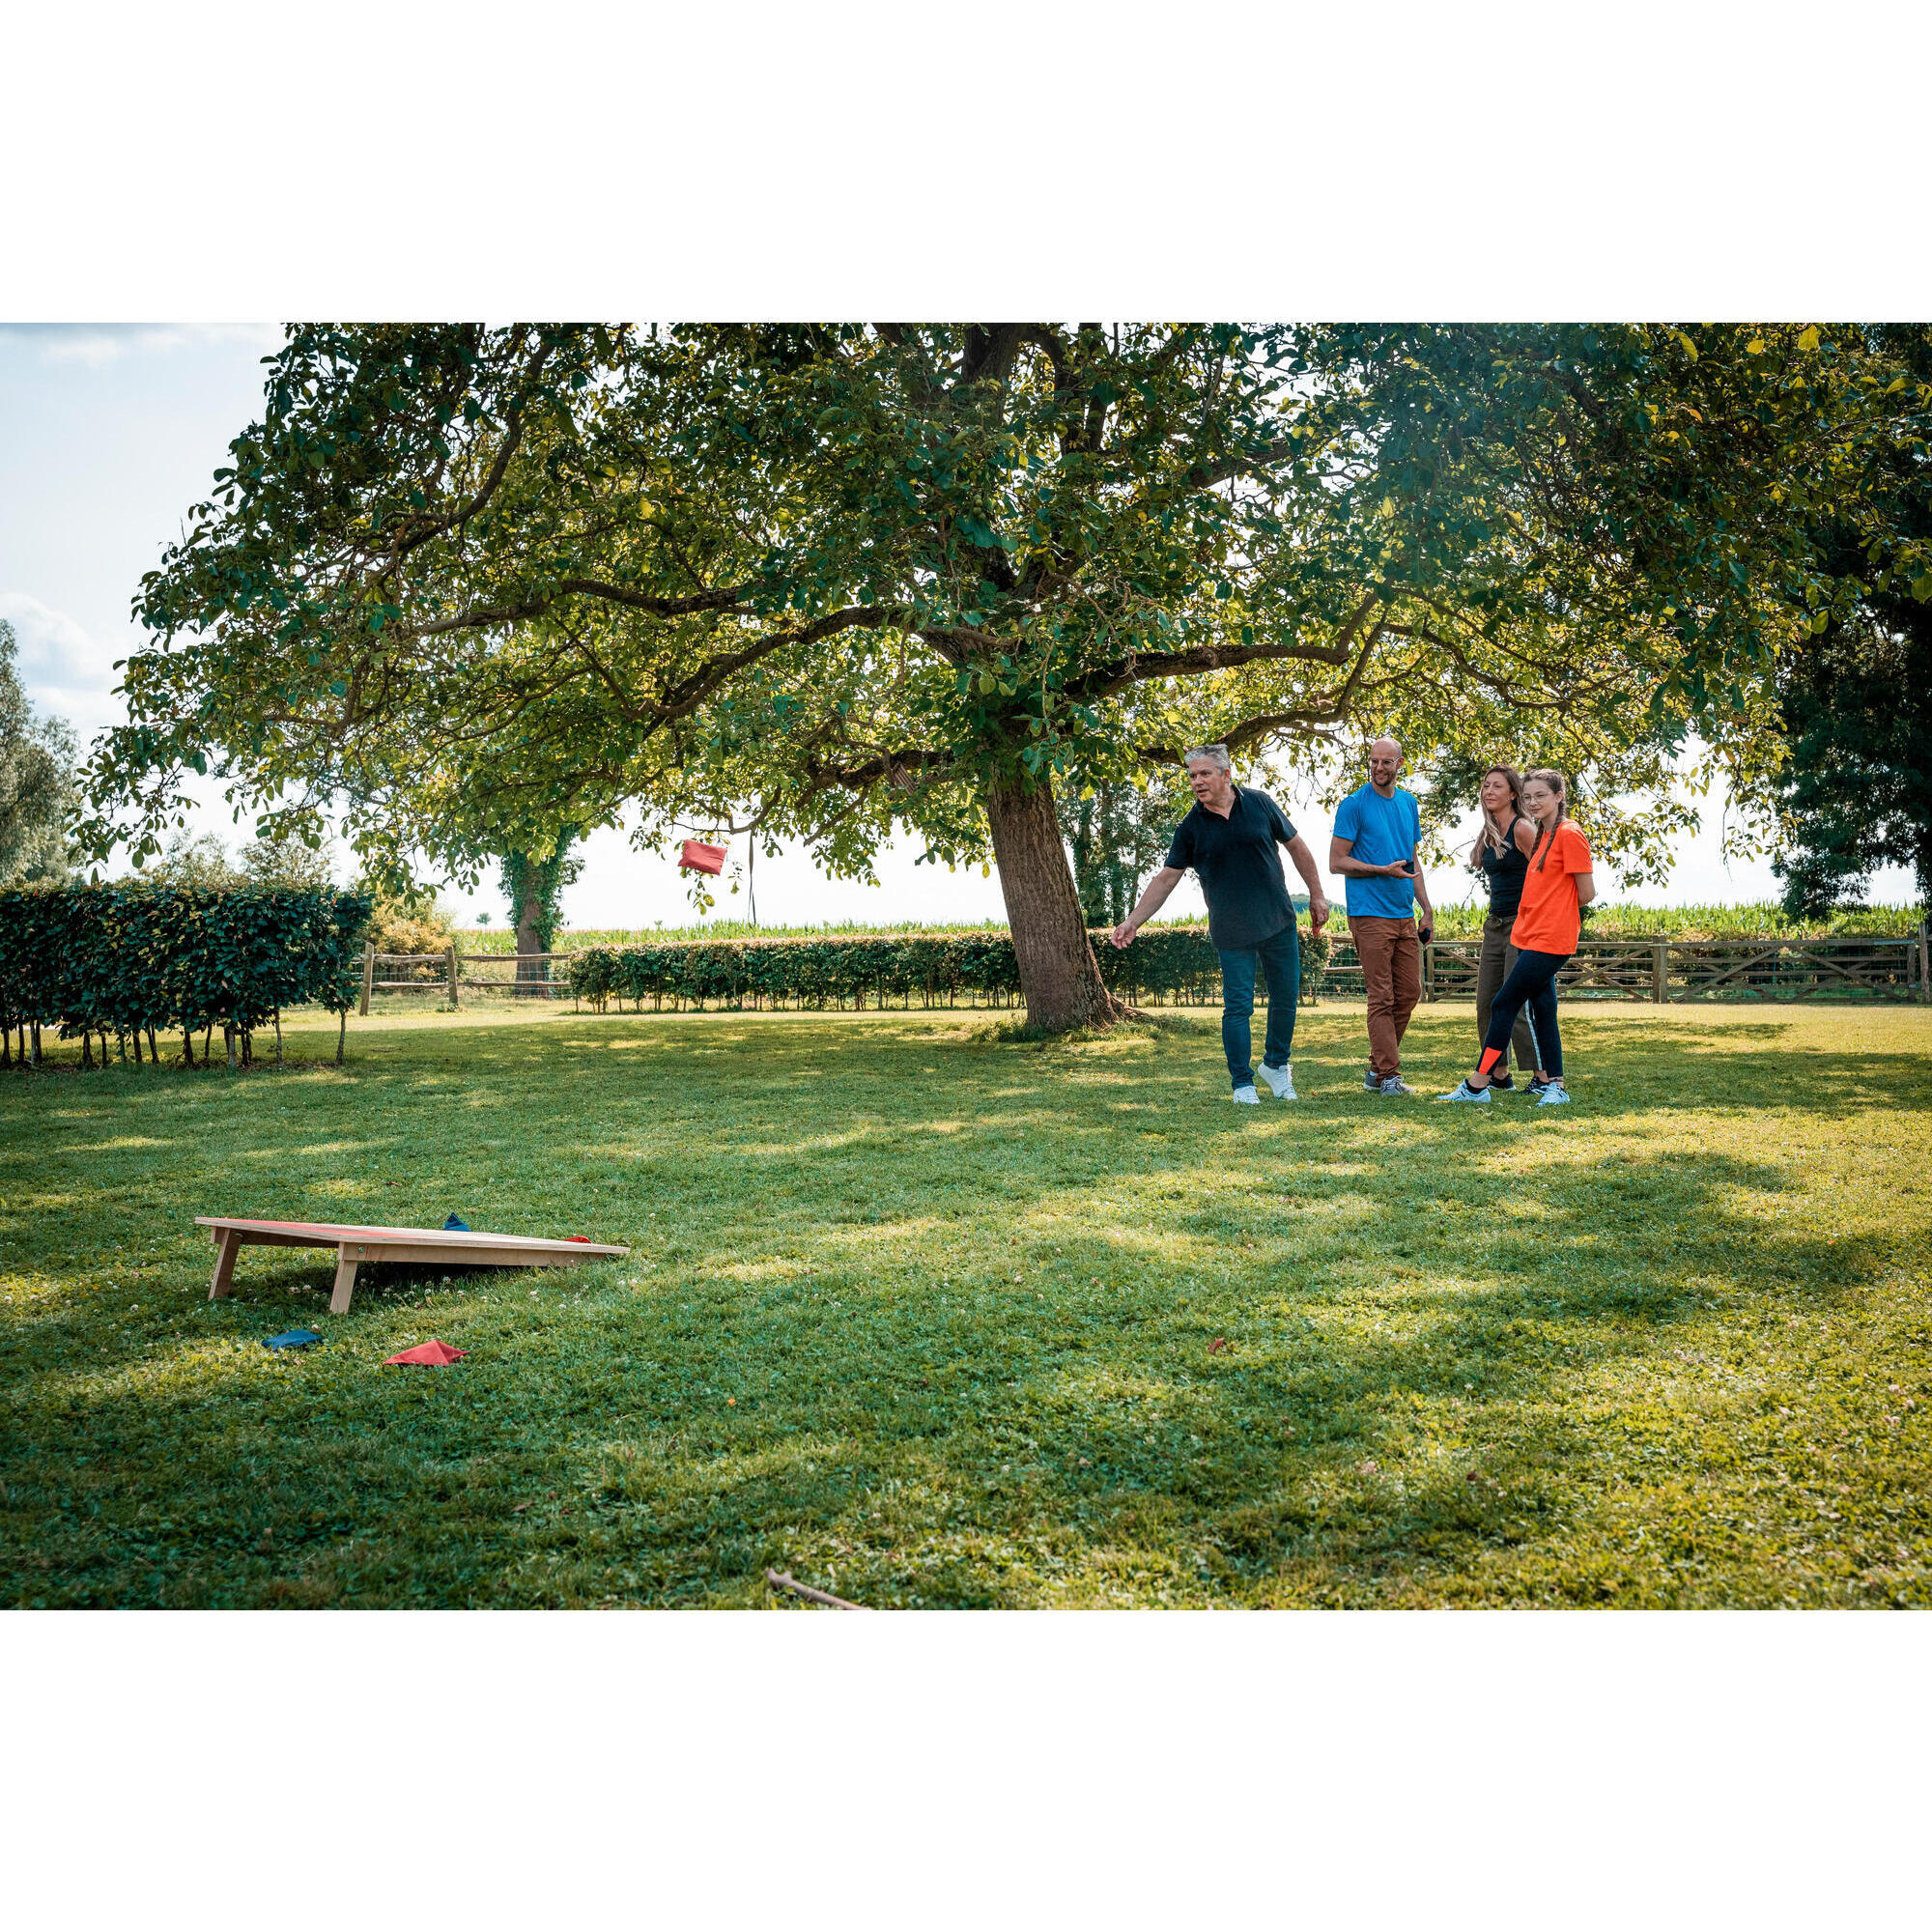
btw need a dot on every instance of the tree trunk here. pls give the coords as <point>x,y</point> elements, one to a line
<point>529,941</point>
<point>1059,976</point>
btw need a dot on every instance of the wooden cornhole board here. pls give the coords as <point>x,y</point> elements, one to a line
<point>355,1245</point>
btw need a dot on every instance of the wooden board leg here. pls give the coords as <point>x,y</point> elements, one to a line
<point>227,1246</point>
<point>345,1284</point>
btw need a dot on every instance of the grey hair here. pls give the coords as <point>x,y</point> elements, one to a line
<point>1215,754</point>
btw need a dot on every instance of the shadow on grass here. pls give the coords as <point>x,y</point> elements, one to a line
<point>941,1336</point>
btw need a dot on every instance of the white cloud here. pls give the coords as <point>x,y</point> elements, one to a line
<point>62,668</point>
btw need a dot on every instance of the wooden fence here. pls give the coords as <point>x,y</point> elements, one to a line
<point>520,975</point>
<point>1682,970</point>
<point>1659,970</point>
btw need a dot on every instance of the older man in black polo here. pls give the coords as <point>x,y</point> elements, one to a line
<point>1230,839</point>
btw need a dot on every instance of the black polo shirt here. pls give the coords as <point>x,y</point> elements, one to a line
<point>1241,870</point>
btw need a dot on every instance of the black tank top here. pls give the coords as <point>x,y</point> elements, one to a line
<point>1504,872</point>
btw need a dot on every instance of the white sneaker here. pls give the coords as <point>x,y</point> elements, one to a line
<point>1246,1097</point>
<point>1281,1081</point>
<point>1554,1096</point>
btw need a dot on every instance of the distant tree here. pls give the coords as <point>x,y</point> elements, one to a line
<point>285,862</point>
<point>408,921</point>
<point>533,883</point>
<point>190,861</point>
<point>1119,833</point>
<point>38,791</point>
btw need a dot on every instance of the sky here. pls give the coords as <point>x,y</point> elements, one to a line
<point>109,434</point>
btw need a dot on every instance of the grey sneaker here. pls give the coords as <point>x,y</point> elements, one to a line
<point>1462,1090</point>
<point>1372,1082</point>
<point>1394,1083</point>
<point>1281,1081</point>
<point>1554,1096</point>
<point>1246,1097</point>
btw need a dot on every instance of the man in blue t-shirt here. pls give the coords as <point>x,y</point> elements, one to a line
<point>1376,832</point>
<point>1230,839</point>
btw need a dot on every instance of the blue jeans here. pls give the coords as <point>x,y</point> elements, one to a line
<point>1281,965</point>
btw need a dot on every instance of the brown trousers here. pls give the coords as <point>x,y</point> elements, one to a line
<point>1498,956</point>
<point>1391,956</point>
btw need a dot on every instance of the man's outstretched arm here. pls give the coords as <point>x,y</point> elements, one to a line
<point>1152,899</point>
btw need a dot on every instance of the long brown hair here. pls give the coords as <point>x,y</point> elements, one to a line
<point>1487,834</point>
<point>1554,781</point>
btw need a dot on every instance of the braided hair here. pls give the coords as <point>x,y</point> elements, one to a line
<point>1555,782</point>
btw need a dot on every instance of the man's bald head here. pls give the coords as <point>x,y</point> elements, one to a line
<point>1384,762</point>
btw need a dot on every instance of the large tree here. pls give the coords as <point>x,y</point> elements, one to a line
<point>39,795</point>
<point>822,580</point>
<point>1855,791</point>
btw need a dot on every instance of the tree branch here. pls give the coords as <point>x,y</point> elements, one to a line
<point>1135,668</point>
<point>485,615</point>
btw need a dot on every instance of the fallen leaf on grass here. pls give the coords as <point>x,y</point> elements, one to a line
<point>1218,1346</point>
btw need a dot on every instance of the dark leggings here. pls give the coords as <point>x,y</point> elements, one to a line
<point>1530,982</point>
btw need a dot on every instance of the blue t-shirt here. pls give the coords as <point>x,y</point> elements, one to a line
<point>1382,831</point>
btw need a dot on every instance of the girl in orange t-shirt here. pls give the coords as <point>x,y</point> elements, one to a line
<point>1559,885</point>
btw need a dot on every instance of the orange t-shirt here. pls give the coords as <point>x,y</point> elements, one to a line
<point>1548,919</point>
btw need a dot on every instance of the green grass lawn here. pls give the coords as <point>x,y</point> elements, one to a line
<point>932,1320</point>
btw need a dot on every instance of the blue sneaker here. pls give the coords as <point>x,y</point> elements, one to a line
<point>1554,1096</point>
<point>1462,1090</point>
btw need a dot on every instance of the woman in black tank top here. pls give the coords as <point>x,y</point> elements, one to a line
<point>1501,855</point>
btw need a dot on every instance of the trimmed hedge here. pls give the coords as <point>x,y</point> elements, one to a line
<point>1164,963</point>
<point>128,957</point>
